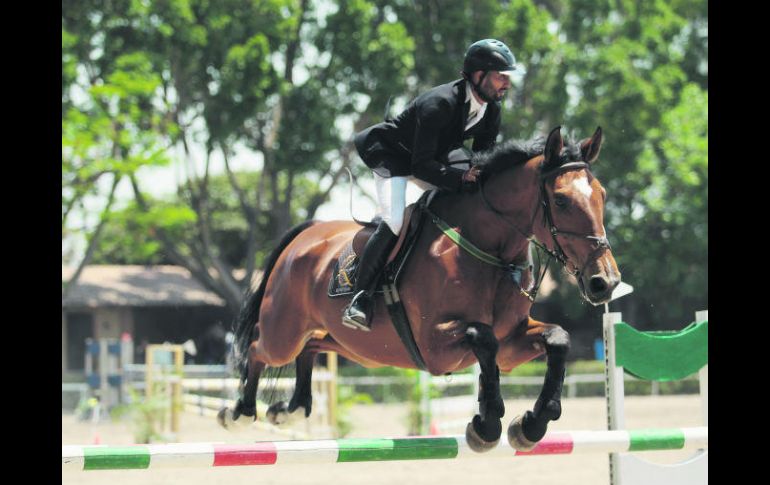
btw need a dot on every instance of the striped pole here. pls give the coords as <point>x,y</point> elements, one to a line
<point>361,450</point>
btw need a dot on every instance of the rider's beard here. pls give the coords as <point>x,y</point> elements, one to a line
<point>491,93</point>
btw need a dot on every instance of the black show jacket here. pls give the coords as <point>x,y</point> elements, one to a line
<point>418,140</point>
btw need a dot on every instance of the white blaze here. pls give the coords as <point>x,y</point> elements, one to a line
<point>581,185</point>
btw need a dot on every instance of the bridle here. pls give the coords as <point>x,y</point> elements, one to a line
<point>557,253</point>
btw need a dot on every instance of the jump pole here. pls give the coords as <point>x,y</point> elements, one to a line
<point>205,455</point>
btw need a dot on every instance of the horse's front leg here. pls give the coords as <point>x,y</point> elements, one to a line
<point>483,433</point>
<point>525,431</point>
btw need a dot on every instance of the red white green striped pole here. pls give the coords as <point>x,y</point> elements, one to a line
<point>359,449</point>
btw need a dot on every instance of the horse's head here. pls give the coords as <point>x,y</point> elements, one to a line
<point>573,215</point>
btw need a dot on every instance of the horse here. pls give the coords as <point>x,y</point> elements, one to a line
<point>462,309</point>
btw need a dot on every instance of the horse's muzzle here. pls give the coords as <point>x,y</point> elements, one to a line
<point>597,285</point>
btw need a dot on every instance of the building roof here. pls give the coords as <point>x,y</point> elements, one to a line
<point>131,285</point>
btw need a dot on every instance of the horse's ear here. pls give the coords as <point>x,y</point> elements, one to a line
<point>553,146</point>
<point>590,146</point>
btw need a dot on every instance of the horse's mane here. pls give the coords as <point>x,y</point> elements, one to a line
<point>513,153</point>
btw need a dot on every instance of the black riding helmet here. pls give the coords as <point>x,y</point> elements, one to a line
<point>487,55</point>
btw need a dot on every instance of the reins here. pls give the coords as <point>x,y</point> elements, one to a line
<point>560,256</point>
<point>514,270</point>
<point>558,253</point>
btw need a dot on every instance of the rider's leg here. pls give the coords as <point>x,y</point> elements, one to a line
<point>391,198</point>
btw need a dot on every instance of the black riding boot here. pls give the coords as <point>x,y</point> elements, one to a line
<point>358,314</point>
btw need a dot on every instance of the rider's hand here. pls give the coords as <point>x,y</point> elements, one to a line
<point>471,175</point>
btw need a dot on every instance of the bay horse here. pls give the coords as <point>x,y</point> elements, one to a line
<point>462,310</point>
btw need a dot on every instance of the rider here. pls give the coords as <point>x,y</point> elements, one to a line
<point>414,146</point>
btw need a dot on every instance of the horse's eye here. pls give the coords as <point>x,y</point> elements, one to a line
<point>560,201</point>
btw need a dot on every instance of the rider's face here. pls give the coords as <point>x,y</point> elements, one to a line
<point>495,84</point>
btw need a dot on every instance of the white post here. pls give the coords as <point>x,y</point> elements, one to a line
<point>104,370</point>
<point>331,366</point>
<point>704,375</point>
<point>614,375</point>
<point>126,359</point>
<point>89,358</point>
<point>613,382</point>
<point>613,386</point>
<point>424,377</point>
<point>113,369</point>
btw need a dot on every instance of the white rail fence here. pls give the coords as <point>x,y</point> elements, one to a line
<point>208,378</point>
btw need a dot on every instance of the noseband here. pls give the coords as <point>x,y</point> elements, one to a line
<point>557,253</point>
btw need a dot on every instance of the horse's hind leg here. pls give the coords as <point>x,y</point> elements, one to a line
<point>302,397</point>
<point>525,431</point>
<point>247,402</point>
<point>483,433</point>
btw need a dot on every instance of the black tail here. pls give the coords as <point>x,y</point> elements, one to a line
<point>249,315</point>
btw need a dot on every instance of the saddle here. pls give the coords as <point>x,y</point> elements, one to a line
<point>345,269</point>
<point>344,275</point>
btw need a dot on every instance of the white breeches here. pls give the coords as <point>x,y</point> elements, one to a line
<point>391,198</point>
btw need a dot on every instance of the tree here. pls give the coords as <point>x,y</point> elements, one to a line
<point>288,81</point>
<point>235,74</point>
<point>127,237</point>
<point>637,70</point>
<point>670,214</point>
<point>108,134</point>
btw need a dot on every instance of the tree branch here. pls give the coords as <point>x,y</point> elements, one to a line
<point>81,187</point>
<point>93,242</point>
<point>248,212</point>
<point>320,198</point>
<point>346,154</point>
<point>229,287</point>
<point>291,49</point>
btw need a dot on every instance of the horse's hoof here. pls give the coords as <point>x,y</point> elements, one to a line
<point>300,412</point>
<point>229,419</point>
<point>277,414</point>
<point>516,436</point>
<point>474,439</point>
<point>225,418</point>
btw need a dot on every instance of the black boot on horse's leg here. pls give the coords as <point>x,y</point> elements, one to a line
<point>358,314</point>
<point>303,392</point>
<point>525,431</point>
<point>281,412</point>
<point>483,433</point>
<point>247,402</point>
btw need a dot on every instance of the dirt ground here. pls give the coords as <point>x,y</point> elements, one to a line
<point>380,421</point>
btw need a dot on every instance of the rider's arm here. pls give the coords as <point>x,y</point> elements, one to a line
<point>432,117</point>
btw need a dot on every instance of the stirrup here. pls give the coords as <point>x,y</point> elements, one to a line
<point>358,320</point>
